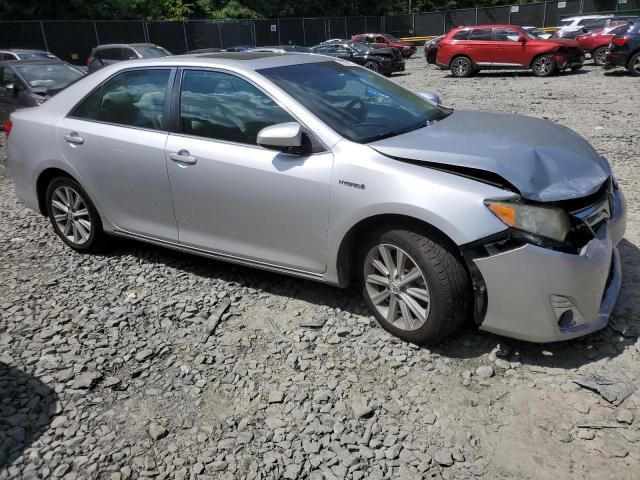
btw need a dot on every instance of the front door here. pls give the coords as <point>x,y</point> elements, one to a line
<point>480,47</point>
<point>511,52</point>
<point>114,139</point>
<point>235,198</point>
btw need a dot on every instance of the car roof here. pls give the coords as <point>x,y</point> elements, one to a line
<point>22,50</point>
<point>43,61</point>
<point>116,45</point>
<point>586,17</point>
<point>242,60</point>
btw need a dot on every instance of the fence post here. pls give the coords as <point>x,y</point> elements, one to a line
<point>476,15</point>
<point>279,39</point>
<point>345,28</point>
<point>413,24</point>
<point>184,32</point>
<point>95,29</point>
<point>44,36</point>
<point>581,6</point>
<point>509,15</point>
<point>444,22</point>
<point>219,33</point>
<point>304,34</point>
<point>544,15</point>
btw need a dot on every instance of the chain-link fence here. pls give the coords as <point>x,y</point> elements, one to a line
<point>73,40</point>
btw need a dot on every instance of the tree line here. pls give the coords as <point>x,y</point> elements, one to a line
<point>222,9</point>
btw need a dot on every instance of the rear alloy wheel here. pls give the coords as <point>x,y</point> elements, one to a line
<point>417,289</point>
<point>600,56</point>
<point>73,216</point>
<point>373,66</point>
<point>544,66</point>
<point>634,65</point>
<point>461,67</point>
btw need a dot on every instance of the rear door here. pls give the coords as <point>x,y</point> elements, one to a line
<point>481,47</point>
<point>114,139</point>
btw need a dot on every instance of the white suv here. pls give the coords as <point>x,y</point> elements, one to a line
<point>573,26</point>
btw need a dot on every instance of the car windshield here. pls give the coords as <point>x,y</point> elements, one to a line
<point>49,76</point>
<point>565,23</point>
<point>152,51</point>
<point>358,104</point>
<point>35,55</point>
<point>534,33</point>
<point>391,38</point>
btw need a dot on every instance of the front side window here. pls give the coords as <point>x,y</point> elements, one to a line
<point>355,102</point>
<point>482,34</point>
<point>7,77</point>
<point>111,54</point>
<point>134,98</point>
<point>224,107</point>
<point>507,35</point>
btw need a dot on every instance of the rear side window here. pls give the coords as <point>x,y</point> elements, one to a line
<point>128,53</point>
<point>481,34</point>
<point>111,54</point>
<point>134,98</point>
<point>224,107</point>
<point>461,35</point>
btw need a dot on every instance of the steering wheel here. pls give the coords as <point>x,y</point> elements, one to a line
<point>359,113</point>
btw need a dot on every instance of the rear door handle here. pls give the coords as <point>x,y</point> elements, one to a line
<point>183,156</point>
<point>74,138</point>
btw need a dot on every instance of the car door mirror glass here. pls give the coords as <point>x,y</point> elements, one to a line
<point>281,136</point>
<point>522,38</point>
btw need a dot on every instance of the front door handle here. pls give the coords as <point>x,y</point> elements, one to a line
<point>74,138</point>
<point>183,156</point>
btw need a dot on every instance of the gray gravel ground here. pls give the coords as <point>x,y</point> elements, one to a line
<point>106,371</point>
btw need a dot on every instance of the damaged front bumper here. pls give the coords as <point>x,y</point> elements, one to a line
<point>539,294</point>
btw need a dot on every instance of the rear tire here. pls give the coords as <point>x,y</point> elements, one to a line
<point>461,67</point>
<point>418,290</point>
<point>544,66</point>
<point>73,216</point>
<point>600,56</point>
<point>634,65</point>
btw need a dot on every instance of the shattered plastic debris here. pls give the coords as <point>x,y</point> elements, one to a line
<point>612,390</point>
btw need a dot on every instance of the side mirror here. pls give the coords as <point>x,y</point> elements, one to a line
<point>522,38</point>
<point>432,97</point>
<point>11,87</point>
<point>282,136</point>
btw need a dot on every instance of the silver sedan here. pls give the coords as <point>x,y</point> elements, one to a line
<point>315,167</point>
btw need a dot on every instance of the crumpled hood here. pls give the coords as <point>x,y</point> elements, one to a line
<point>543,160</point>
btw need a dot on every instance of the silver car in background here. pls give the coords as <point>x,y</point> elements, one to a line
<point>318,168</point>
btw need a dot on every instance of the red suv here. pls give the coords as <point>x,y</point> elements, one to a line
<point>466,50</point>
<point>381,40</point>
<point>597,43</point>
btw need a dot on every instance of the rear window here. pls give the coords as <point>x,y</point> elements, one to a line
<point>461,35</point>
<point>481,34</point>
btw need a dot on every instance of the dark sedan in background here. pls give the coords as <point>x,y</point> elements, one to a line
<point>29,83</point>
<point>625,50</point>
<point>431,49</point>
<point>108,54</point>
<point>382,60</point>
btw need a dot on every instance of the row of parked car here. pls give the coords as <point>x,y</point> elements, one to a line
<point>610,41</point>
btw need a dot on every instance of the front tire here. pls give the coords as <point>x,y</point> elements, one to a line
<point>373,66</point>
<point>461,67</point>
<point>634,65</point>
<point>416,287</point>
<point>544,66</point>
<point>73,216</point>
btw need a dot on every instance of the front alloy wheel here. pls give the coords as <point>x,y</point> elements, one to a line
<point>461,67</point>
<point>414,283</point>
<point>373,66</point>
<point>543,66</point>
<point>397,287</point>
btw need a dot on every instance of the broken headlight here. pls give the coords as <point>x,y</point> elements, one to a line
<point>548,222</point>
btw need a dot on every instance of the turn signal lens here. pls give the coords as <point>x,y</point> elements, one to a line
<point>620,41</point>
<point>545,221</point>
<point>7,127</point>
<point>506,213</point>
